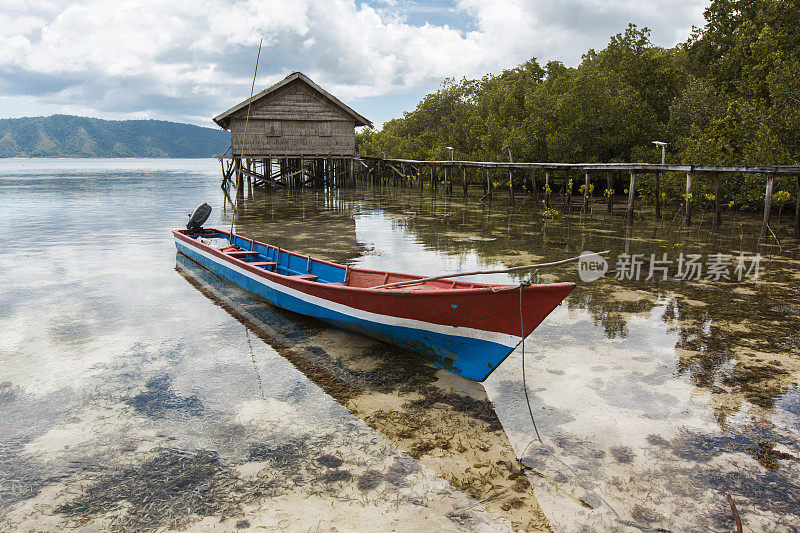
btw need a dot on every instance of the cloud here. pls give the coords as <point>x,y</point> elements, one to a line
<point>184,60</point>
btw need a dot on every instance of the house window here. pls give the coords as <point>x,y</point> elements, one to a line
<point>274,127</point>
<point>324,129</point>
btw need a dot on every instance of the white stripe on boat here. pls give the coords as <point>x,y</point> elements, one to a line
<point>459,331</point>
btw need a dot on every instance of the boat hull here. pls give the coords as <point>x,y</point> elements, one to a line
<point>470,352</point>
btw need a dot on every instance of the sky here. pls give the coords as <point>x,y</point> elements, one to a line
<point>188,60</point>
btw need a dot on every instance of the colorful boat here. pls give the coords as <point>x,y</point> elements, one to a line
<point>464,327</point>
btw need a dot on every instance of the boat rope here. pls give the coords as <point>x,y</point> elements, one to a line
<point>583,483</point>
<point>525,381</point>
<point>255,366</point>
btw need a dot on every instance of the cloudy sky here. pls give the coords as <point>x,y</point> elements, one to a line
<point>187,60</point>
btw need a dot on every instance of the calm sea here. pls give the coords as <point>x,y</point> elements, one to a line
<point>140,392</point>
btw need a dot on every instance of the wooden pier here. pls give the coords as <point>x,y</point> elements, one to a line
<point>530,179</point>
<point>286,172</point>
<point>538,179</point>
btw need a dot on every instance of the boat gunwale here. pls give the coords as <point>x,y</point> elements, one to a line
<point>185,236</point>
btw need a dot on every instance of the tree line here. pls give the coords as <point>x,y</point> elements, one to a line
<point>729,95</point>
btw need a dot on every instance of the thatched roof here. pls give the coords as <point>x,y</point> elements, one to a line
<point>223,120</point>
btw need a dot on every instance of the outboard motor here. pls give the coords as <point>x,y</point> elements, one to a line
<point>198,218</point>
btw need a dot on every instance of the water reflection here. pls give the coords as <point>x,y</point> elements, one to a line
<point>408,231</point>
<point>702,370</point>
<point>118,379</point>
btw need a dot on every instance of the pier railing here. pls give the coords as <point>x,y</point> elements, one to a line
<point>589,169</point>
<point>338,171</point>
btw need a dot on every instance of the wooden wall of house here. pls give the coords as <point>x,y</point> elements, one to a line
<point>293,137</point>
<point>295,120</point>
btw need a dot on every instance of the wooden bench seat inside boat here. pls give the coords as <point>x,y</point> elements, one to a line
<point>308,277</point>
<point>262,263</point>
<point>242,252</point>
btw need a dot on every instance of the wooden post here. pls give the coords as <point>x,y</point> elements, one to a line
<point>488,181</point>
<point>610,198</point>
<point>447,180</point>
<point>658,194</point>
<point>464,182</point>
<point>631,196</point>
<point>767,204</point>
<point>797,210</point>
<point>433,178</point>
<point>687,219</point>
<point>717,202</point>
<point>511,184</point>
<point>351,171</point>
<point>237,165</point>
<point>534,192</point>
<point>568,194</point>
<point>302,171</point>
<point>547,189</point>
<point>585,191</point>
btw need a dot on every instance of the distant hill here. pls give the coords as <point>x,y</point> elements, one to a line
<point>71,136</point>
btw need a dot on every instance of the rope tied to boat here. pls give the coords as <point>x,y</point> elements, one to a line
<point>522,334</point>
<point>630,523</point>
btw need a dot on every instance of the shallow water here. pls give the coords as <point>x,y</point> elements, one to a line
<point>140,392</point>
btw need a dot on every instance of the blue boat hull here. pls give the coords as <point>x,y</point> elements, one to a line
<point>466,356</point>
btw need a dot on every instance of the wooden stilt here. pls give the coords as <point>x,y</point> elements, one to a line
<point>797,211</point>
<point>585,205</point>
<point>464,182</point>
<point>658,194</point>
<point>687,219</point>
<point>534,190</point>
<point>717,202</point>
<point>567,194</point>
<point>351,173</point>
<point>767,205</point>
<point>631,196</point>
<point>237,165</point>
<point>610,196</point>
<point>547,189</point>
<point>511,185</point>
<point>302,171</point>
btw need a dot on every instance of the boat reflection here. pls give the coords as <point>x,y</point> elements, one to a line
<point>445,422</point>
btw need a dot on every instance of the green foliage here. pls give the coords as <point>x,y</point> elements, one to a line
<point>70,136</point>
<point>729,95</point>
<point>749,56</point>
<point>780,198</point>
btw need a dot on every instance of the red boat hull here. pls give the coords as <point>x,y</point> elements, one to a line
<point>466,328</point>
